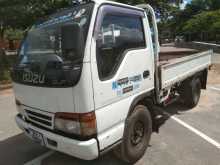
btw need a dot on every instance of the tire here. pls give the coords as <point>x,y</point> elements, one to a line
<point>190,93</point>
<point>137,133</point>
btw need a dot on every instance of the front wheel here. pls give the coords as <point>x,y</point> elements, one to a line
<point>137,133</point>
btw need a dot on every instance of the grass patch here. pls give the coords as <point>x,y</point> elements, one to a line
<point>5,77</point>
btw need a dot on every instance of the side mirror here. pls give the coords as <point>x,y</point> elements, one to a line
<point>72,39</point>
<point>107,37</point>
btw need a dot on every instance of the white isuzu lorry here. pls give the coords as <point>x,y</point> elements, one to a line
<point>88,78</point>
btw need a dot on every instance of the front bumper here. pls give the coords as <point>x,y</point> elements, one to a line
<point>87,150</point>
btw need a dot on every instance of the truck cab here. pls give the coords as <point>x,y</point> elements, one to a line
<point>84,77</point>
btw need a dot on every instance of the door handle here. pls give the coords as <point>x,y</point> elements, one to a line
<point>146,74</point>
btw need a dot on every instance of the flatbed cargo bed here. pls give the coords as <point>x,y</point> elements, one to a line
<point>176,66</point>
<point>167,56</point>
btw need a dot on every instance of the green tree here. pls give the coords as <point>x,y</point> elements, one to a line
<point>23,13</point>
<point>204,25</point>
<point>188,20</point>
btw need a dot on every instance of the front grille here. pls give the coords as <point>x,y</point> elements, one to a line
<point>39,117</point>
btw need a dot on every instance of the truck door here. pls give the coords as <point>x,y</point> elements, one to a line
<point>121,55</point>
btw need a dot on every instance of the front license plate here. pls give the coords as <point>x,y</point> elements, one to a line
<point>36,136</point>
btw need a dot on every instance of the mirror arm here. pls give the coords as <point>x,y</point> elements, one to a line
<point>113,33</point>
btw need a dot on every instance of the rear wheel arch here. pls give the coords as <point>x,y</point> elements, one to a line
<point>203,78</point>
<point>190,90</point>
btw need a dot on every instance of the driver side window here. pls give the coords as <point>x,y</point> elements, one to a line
<point>117,35</point>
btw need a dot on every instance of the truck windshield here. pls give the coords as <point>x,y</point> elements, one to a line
<point>44,39</point>
<point>41,61</point>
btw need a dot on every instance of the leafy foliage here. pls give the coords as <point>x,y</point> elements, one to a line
<point>20,14</point>
<point>200,19</point>
<point>203,22</point>
<point>13,34</point>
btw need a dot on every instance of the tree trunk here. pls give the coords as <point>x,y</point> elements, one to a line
<point>11,45</point>
<point>2,32</point>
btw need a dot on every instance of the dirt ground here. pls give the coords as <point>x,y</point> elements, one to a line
<point>214,74</point>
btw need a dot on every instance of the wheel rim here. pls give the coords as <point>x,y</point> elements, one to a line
<point>138,133</point>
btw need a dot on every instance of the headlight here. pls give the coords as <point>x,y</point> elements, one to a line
<point>79,124</point>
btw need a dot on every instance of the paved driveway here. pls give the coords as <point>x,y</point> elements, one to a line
<point>187,137</point>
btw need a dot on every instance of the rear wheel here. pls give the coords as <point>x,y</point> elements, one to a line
<point>137,133</point>
<point>190,92</point>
